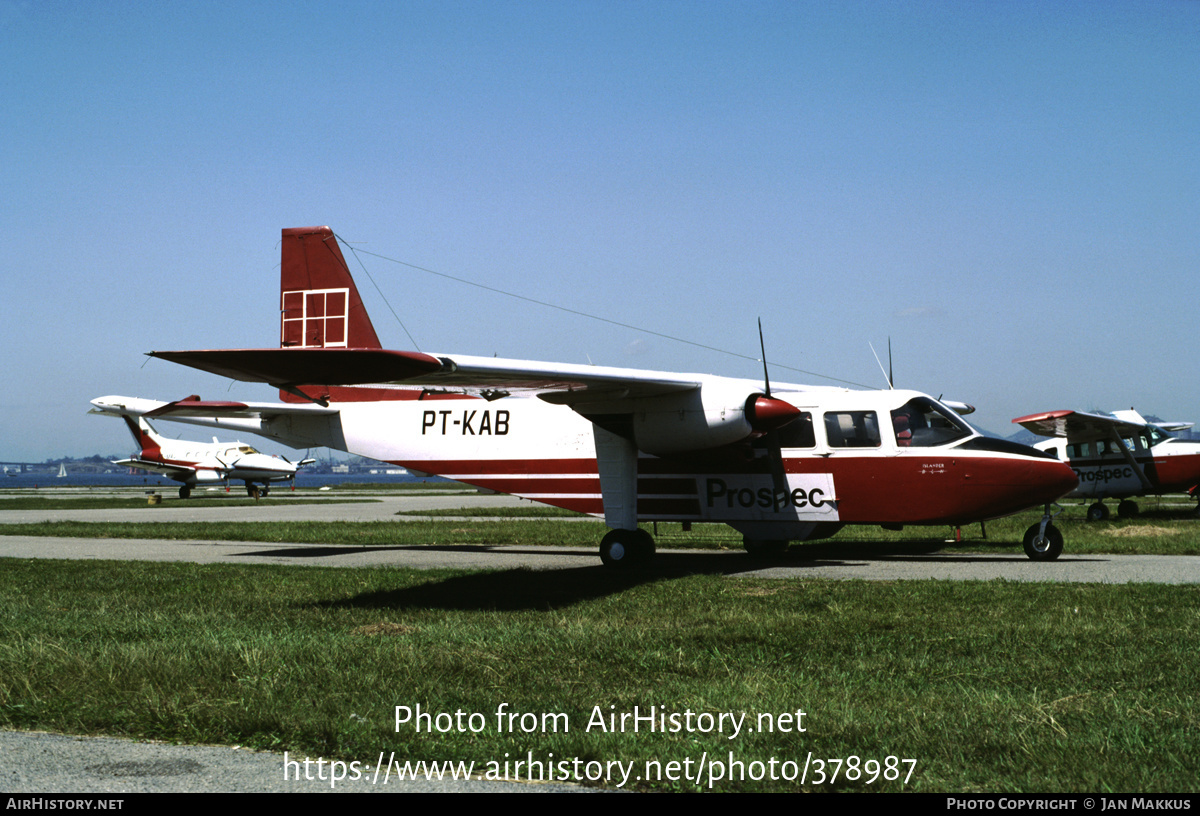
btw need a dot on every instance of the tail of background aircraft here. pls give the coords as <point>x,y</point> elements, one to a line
<point>319,303</point>
<point>148,442</point>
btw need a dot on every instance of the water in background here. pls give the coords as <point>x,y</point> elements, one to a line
<point>148,480</point>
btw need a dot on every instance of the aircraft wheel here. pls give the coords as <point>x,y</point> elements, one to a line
<point>1127,509</point>
<point>252,491</point>
<point>1097,512</point>
<point>1045,547</point>
<point>622,549</point>
<point>264,490</point>
<point>765,547</point>
<point>184,491</point>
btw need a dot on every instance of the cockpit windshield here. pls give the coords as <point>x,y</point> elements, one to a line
<point>922,423</point>
<point>1156,435</point>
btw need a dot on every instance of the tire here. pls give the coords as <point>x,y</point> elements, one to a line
<point>623,549</point>
<point>1127,509</point>
<point>1098,512</point>
<point>1043,548</point>
<point>765,547</point>
<point>184,491</point>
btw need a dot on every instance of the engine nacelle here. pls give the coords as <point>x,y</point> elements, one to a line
<point>708,417</point>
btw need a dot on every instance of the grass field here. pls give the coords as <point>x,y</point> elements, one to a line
<point>987,686</point>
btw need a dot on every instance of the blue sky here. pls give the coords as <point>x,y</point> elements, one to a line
<point>1010,191</point>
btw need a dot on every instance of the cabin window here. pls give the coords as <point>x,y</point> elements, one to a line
<point>923,423</point>
<point>852,429</point>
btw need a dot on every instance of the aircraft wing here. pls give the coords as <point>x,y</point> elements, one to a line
<point>484,376</point>
<point>173,471</point>
<point>1077,426</point>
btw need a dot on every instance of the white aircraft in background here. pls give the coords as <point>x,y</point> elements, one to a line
<point>1119,455</point>
<point>195,463</point>
<point>778,464</point>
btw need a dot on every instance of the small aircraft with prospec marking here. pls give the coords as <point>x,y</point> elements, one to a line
<point>199,463</point>
<point>1119,456</point>
<point>776,462</point>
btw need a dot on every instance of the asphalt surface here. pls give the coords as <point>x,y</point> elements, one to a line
<point>49,763</point>
<point>839,561</point>
<point>35,762</point>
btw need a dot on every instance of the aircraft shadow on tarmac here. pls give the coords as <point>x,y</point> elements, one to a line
<point>525,588</point>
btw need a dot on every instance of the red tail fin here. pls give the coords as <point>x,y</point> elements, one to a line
<point>150,448</point>
<point>319,303</point>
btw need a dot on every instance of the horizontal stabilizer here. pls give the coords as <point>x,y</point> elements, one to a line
<point>324,366</point>
<point>196,407</point>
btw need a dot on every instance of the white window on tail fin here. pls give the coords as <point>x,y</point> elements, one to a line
<point>314,318</point>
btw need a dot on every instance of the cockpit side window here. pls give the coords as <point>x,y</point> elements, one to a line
<point>922,423</point>
<point>852,429</point>
<point>798,433</point>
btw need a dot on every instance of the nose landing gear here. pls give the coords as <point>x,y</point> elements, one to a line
<point>1043,541</point>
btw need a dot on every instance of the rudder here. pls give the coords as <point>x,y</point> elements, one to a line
<point>319,304</point>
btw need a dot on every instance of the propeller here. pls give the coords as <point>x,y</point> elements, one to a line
<point>774,413</point>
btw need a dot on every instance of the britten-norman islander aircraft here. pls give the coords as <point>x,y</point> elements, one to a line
<point>195,463</point>
<point>778,464</point>
<point>1119,455</point>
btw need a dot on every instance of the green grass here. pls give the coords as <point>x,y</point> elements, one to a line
<point>990,686</point>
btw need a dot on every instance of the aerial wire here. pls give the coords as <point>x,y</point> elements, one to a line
<point>575,312</point>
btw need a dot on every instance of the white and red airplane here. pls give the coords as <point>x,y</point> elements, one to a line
<point>1118,456</point>
<point>778,464</point>
<point>195,463</point>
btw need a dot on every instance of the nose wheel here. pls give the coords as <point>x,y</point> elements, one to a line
<point>1043,541</point>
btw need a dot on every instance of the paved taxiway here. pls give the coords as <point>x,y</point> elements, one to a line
<point>842,562</point>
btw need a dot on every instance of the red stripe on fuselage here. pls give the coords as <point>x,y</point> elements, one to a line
<point>938,489</point>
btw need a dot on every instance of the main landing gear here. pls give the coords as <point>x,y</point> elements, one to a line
<point>1099,511</point>
<point>1043,541</point>
<point>764,547</point>
<point>622,549</point>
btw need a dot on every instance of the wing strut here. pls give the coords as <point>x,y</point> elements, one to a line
<point>1129,458</point>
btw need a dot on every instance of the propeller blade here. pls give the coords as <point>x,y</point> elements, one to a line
<point>774,414</point>
<point>762,346</point>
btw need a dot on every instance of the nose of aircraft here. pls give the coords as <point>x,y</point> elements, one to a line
<point>1055,480</point>
<point>1011,484</point>
<point>1040,482</point>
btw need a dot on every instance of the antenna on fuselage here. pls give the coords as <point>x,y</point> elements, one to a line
<point>890,379</point>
